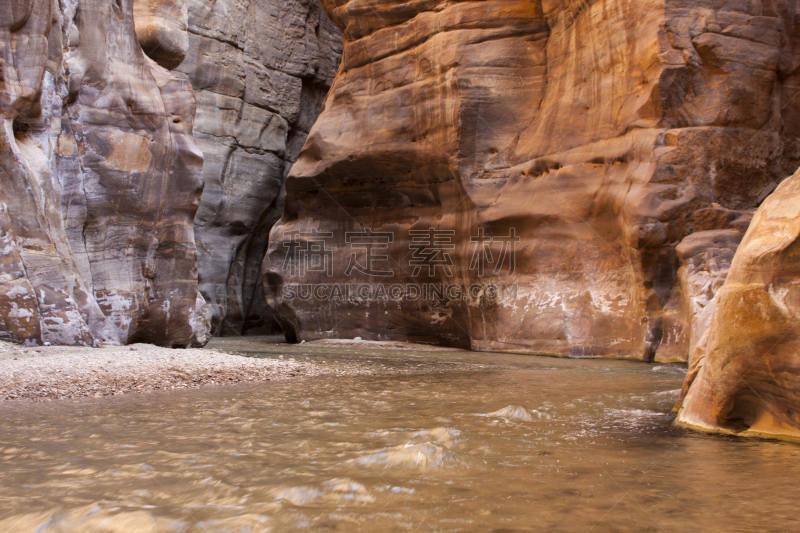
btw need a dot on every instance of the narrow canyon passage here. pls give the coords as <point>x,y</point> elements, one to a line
<point>536,265</point>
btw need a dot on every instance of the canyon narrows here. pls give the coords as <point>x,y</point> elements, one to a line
<point>260,70</point>
<point>575,178</point>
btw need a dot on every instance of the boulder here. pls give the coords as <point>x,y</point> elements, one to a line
<point>744,376</point>
<point>161,29</point>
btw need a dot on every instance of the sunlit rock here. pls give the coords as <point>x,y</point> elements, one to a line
<point>517,176</point>
<point>745,377</point>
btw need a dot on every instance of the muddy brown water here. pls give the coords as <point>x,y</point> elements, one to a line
<point>522,444</point>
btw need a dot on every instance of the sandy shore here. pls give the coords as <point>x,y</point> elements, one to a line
<point>53,372</point>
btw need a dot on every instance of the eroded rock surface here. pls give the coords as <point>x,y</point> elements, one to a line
<point>583,134</point>
<point>745,377</point>
<point>161,29</point>
<point>260,70</point>
<point>100,181</point>
<point>705,258</point>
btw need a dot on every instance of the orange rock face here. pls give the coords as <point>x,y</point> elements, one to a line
<point>745,376</point>
<point>100,179</point>
<point>537,162</point>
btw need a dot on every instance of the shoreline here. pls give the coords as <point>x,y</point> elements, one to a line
<point>43,373</point>
<point>61,372</point>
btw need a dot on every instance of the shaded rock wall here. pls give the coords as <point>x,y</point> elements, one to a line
<point>705,258</point>
<point>585,134</point>
<point>260,71</point>
<point>100,181</point>
<point>744,377</point>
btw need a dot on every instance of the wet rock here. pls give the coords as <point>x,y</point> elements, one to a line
<point>745,377</point>
<point>572,140</point>
<point>422,457</point>
<point>511,412</point>
<point>100,181</point>
<point>260,71</point>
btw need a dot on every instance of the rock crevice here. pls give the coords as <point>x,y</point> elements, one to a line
<point>260,71</point>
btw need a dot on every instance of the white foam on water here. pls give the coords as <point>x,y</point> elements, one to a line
<point>670,369</point>
<point>447,437</point>
<point>298,495</point>
<point>422,457</point>
<point>511,412</point>
<point>337,490</point>
<point>635,413</point>
<point>516,413</point>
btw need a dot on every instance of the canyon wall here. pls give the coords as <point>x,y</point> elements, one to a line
<point>260,71</point>
<point>100,177</point>
<point>744,375</point>
<point>518,175</point>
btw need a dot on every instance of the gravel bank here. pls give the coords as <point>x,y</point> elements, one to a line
<point>51,372</point>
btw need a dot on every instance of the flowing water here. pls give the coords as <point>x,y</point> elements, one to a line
<point>523,444</point>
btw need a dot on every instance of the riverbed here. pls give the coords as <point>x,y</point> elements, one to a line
<point>433,440</point>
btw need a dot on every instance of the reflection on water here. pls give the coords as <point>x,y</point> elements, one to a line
<point>534,444</point>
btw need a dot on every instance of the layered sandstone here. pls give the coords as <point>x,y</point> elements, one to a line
<point>260,71</point>
<point>100,181</point>
<point>744,377</point>
<point>555,149</point>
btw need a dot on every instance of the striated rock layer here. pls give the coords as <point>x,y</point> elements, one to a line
<point>538,162</point>
<point>260,70</point>
<point>99,181</point>
<point>744,376</point>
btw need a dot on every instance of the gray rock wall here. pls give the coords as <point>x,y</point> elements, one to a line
<point>260,71</point>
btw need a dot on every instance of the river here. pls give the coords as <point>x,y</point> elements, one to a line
<point>470,442</point>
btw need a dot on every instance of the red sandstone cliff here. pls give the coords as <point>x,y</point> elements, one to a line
<point>590,131</point>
